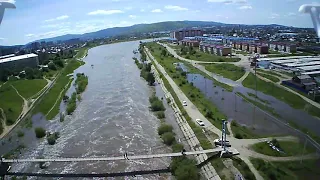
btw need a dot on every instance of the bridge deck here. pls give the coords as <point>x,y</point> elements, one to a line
<point>150,156</point>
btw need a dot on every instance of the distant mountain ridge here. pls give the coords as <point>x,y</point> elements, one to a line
<point>138,28</point>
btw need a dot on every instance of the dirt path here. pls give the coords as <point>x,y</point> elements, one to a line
<point>70,81</point>
<point>43,89</point>
<point>25,107</point>
<point>3,121</point>
<point>243,77</point>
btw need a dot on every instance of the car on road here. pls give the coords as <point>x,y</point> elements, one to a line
<point>184,103</point>
<point>217,142</point>
<point>200,122</point>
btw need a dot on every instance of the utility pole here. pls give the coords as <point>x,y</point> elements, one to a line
<point>255,98</point>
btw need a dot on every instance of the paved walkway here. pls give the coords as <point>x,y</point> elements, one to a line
<point>208,170</point>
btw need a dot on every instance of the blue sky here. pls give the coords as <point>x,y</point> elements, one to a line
<point>37,19</point>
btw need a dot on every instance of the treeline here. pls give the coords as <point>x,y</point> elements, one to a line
<point>146,72</point>
<point>72,103</point>
<point>157,106</point>
<point>54,62</point>
<point>81,84</point>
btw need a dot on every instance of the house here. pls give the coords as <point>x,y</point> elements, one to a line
<point>253,48</point>
<point>262,49</point>
<point>292,48</point>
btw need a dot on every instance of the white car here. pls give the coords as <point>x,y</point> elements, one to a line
<point>200,122</point>
<point>184,103</point>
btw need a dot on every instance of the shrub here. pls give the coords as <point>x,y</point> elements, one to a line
<point>177,147</point>
<point>51,139</point>
<point>238,136</point>
<point>168,138</point>
<point>209,114</point>
<point>160,115</point>
<point>164,128</point>
<point>9,121</point>
<point>20,133</point>
<point>40,132</point>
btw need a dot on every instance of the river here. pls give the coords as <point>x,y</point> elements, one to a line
<point>112,118</point>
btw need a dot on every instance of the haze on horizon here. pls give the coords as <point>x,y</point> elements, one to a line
<point>33,20</point>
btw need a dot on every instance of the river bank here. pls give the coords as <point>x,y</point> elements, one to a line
<point>112,118</point>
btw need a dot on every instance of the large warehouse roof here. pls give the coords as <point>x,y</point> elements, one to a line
<point>303,64</point>
<point>310,68</point>
<point>16,58</point>
<point>311,73</point>
<point>284,58</point>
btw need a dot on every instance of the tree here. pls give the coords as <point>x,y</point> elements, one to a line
<point>168,138</point>
<point>4,74</point>
<point>150,79</point>
<point>59,63</point>
<point>52,66</point>
<point>163,52</point>
<point>187,170</point>
<point>37,74</point>
<point>29,73</point>
<point>164,128</point>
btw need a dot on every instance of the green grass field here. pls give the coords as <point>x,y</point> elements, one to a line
<point>55,109</point>
<point>229,71</point>
<point>288,170</point>
<point>82,52</point>
<point>242,132</point>
<point>11,103</point>
<point>262,100</point>
<point>60,85</point>
<point>28,88</point>
<point>290,148</point>
<point>206,57</point>
<point>270,72</point>
<point>291,99</point>
<point>270,77</point>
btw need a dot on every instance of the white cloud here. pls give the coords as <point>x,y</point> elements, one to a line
<point>132,16</point>
<point>57,18</point>
<point>229,1</point>
<point>245,7</point>
<point>156,11</point>
<point>10,1</point>
<point>176,8</point>
<point>292,14</point>
<point>274,16</point>
<point>1,39</point>
<point>142,10</point>
<point>30,35</point>
<point>105,12</point>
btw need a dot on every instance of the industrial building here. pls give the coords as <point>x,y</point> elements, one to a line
<point>18,63</point>
<point>182,33</point>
